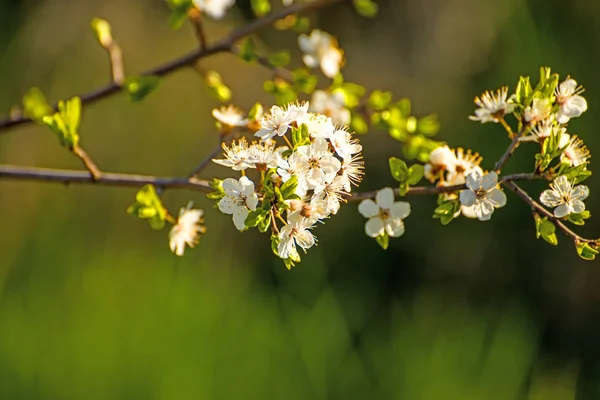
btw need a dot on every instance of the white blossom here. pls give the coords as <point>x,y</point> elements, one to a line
<point>492,107</point>
<point>385,215</point>
<point>465,162</point>
<point>576,153</point>
<point>187,229</point>
<point>275,123</point>
<point>569,101</point>
<point>331,104</point>
<point>351,172</point>
<point>441,159</point>
<point>237,157</point>
<point>482,194</point>
<point>239,200</point>
<point>319,125</point>
<point>230,116</point>
<point>332,193</point>
<point>321,49</point>
<point>263,155</point>
<point>214,8</point>
<point>295,233</point>
<point>319,165</point>
<point>537,111</point>
<point>344,144</point>
<point>567,199</point>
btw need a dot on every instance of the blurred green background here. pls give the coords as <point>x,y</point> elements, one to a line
<point>94,306</point>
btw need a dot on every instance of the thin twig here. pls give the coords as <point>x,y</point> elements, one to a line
<point>221,46</point>
<point>106,178</point>
<point>196,20</point>
<point>538,208</point>
<point>429,190</point>
<point>87,161</point>
<point>204,163</point>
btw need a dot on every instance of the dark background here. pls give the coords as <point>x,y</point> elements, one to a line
<point>93,305</point>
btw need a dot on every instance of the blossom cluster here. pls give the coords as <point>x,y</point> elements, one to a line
<point>297,183</point>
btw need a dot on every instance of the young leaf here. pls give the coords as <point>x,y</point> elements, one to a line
<point>383,240</point>
<point>260,7</point>
<point>179,12</point>
<point>289,187</point>
<point>102,31</point>
<point>217,88</point>
<point>379,100</point>
<point>545,229</point>
<point>65,122</point>
<point>366,8</point>
<point>399,169</point>
<point>35,105</point>
<point>279,59</point>
<point>415,174</point>
<point>139,87</point>
<point>586,251</point>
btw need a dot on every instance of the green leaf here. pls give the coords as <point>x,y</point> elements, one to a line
<point>383,240</point>
<point>254,217</point>
<point>289,187</point>
<point>304,81</point>
<point>415,174</point>
<point>300,136</point>
<point>35,105</point>
<point>255,112</point>
<point>217,88</point>
<point>102,31</point>
<point>366,8</point>
<point>138,87</point>
<point>65,122</point>
<point>428,125</point>
<point>403,189</point>
<point>586,251</point>
<point>247,51</point>
<point>524,91</point>
<point>279,59</point>
<point>263,224</point>
<point>149,206</point>
<point>545,229</point>
<point>379,100</point>
<point>217,185</point>
<point>260,7</point>
<point>579,219</point>
<point>284,92</point>
<point>358,124</point>
<point>179,12</point>
<point>399,169</point>
<point>446,209</point>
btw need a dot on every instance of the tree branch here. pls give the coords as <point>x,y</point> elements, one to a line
<point>107,179</point>
<point>223,45</point>
<point>538,208</point>
<point>429,190</point>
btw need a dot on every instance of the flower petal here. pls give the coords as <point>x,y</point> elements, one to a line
<point>394,227</point>
<point>497,197</point>
<point>252,201</point>
<point>400,210</point>
<point>474,180</point>
<point>468,197</point>
<point>305,239</point>
<point>562,210</point>
<point>231,187</point>
<point>578,206</point>
<point>385,198</point>
<point>374,227</point>
<point>227,205</point>
<point>580,192</point>
<point>239,217</point>
<point>368,208</point>
<point>489,181</point>
<point>550,198</point>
